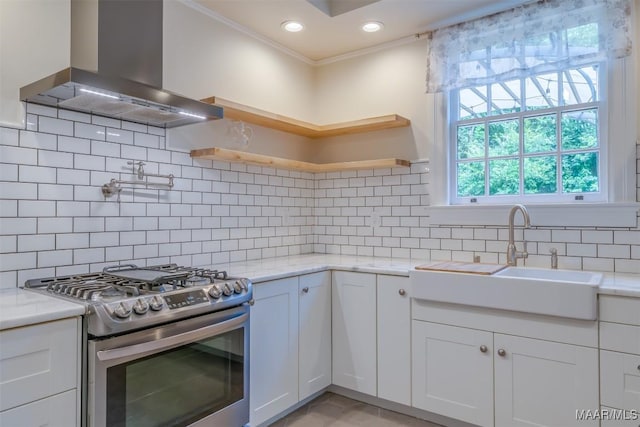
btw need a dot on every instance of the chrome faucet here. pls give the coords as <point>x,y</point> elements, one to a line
<point>512,253</point>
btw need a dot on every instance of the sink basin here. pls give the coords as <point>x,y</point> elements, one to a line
<point>563,293</point>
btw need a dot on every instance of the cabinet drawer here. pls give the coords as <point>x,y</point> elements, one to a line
<point>619,380</point>
<point>619,337</point>
<point>620,310</point>
<point>55,411</point>
<point>38,361</point>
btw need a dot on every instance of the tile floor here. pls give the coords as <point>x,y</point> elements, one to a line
<point>332,410</point>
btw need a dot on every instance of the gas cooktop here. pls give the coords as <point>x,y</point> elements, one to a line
<point>127,297</point>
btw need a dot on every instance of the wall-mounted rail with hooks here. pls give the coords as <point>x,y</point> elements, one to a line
<point>115,185</point>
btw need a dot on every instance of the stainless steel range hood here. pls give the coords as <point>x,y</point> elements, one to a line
<point>116,68</point>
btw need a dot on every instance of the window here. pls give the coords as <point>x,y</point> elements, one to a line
<point>535,138</point>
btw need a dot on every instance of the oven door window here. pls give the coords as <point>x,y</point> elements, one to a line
<point>177,387</point>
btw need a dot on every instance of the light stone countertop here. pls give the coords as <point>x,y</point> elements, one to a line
<point>20,308</point>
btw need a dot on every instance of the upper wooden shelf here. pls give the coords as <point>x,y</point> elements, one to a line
<point>216,153</point>
<point>241,112</point>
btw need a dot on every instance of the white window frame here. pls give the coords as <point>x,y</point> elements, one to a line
<point>559,196</point>
<point>621,209</point>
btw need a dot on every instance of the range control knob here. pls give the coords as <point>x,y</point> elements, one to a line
<point>227,289</point>
<point>156,303</point>
<point>215,292</point>
<point>122,311</point>
<point>238,287</point>
<point>141,306</point>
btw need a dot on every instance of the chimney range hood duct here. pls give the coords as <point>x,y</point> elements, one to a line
<point>116,68</point>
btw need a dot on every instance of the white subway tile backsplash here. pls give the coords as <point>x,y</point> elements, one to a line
<point>55,258</point>
<point>18,190</point>
<point>55,225</point>
<point>55,126</point>
<point>74,145</point>
<point>221,211</point>
<point>18,155</point>
<point>55,159</point>
<point>72,240</point>
<point>84,130</point>
<point>37,140</point>
<point>88,256</point>
<point>38,174</point>
<point>36,208</point>
<point>36,242</point>
<point>18,261</point>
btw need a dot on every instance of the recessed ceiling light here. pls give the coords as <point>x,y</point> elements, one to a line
<point>372,27</point>
<point>292,26</point>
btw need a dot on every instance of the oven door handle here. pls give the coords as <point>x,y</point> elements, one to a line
<point>145,348</point>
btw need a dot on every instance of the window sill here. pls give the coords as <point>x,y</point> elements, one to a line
<point>564,215</point>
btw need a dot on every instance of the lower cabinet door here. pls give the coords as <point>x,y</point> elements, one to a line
<point>55,411</point>
<point>273,367</point>
<point>453,372</point>
<point>620,380</point>
<point>354,331</point>
<point>315,333</point>
<point>543,383</point>
<point>394,339</point>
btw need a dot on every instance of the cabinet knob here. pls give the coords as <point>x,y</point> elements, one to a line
<point>402,292</point>
<point>638,367</point>
<point>483,348</point>
<point>305,290</point>
<point>502,352</point>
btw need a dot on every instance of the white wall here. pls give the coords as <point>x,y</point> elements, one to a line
<point>204,57</point>
<point>35,41</point>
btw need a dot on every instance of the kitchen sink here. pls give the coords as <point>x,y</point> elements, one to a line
<point>563,293</point>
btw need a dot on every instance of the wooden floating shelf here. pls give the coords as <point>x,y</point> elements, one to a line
<point>224,154</point>
<point>258,117</point>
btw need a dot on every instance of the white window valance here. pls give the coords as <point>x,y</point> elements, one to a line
<point>534,38</point>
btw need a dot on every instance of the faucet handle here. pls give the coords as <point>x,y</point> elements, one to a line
<point>525,254</point>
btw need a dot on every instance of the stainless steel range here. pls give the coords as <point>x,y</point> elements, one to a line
<point>166,345</point>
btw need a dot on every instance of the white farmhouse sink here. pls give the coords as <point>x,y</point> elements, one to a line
<point>563,293</point>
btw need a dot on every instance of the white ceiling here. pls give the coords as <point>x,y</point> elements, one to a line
<point>327,36</point>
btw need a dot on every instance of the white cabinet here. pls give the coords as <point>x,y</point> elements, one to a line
<point>55,411</point>
<point>290,355</point>
<point>620,354</point>
<point>503,369</point>
<point>543,383</point>
<point>39,374</point>
<point>394,339</point>
<point>273,367</point>
<point>354,331</point>
<point>453,372</point>
<point>314,357</point>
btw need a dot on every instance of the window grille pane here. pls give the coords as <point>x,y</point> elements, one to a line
<point>504,177</point>
<point>470,179</point>
<point>505,97</point>
<point>540,174</point>
<point>540,134</point>
<point>470,141</point>
<point>542,91</point>
<point>504,138</point>
<point>579,129</point>
<point>580,85</point>
<point>472,103</point>
<point>580,173</point>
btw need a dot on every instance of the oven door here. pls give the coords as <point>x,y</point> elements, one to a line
<point>190,373</point>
